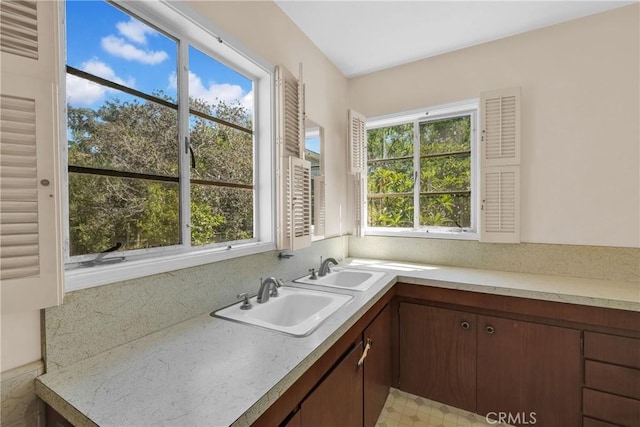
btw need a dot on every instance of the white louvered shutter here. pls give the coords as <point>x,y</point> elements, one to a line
<point>30,222</point>
<point>300,226</point>
<point>290,145</point>
<point>357,142</point>
<point>358,167</point>
<point>359,204</point>
<point>319,206</point>
<point>500,166</point>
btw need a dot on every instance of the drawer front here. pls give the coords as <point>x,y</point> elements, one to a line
<point>612,349</point>
<point>590,422</point>
<point>612,378</point>
<point>619,410</point>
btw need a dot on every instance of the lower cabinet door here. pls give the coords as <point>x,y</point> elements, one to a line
<point>438,354</point>
<point>528,373</point>
<point>337,401</point>
<point>377,366</point>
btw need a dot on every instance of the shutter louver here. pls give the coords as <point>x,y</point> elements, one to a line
<point>289,97</point>
<point>19,243</point>
<point>500,201</point>
<point>500,118</point>
<point>31,266</point>
<point>19,28</point>
<point>319,208</point>
<point>300,226</point>
<point>357,142</point>
<point>500,166</point>
<point>292,233</point>
<point>358,166</point>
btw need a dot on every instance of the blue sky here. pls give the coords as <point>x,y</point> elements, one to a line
<point>103,40</point>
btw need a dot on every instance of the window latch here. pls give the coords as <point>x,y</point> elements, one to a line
<point>98,260</point>
<point>189,150</point>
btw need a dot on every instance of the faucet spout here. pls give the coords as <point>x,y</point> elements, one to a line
<point>268,288</point>
<point>325,267</point>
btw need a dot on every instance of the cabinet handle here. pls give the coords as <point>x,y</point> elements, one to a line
<point>365,352</point>
<point>489,329</point>
<point>465,325</point>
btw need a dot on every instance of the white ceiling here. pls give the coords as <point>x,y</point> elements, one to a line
<point>364,36</point>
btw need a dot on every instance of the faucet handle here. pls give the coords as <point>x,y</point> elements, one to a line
<point>246,305</point>
<point>313,274</point>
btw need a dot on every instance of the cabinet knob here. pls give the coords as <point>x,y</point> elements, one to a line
<point>489,329</point>
<point>465,325</point>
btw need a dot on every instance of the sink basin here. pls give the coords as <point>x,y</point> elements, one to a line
<point>352,279</point>
<point>294,311</point>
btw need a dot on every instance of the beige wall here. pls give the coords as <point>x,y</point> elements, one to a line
<point>20,339</point>
<point>580,103</point>
<point>263,28</point>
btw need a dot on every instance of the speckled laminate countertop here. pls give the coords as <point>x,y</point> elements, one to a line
<point>211,372</point>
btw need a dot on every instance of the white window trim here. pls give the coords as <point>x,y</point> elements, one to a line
<point>178,18</point>
<point>454,109</point>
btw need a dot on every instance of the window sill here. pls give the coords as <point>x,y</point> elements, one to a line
<point>83,278</point>
<point>422,234</point>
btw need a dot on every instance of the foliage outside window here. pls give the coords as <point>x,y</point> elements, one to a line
<point>144,169</point>
<point>419,174</point>
<point>312,154</point>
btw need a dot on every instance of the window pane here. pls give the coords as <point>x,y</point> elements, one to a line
<point>390,211</point>
<point>125,134</point>
<point>390,142</point>
<point>219,91</point>
<point>445,211</point>
<point>394,176</point>
<point>106,42</point>
<point>106,210</point>
<point>445,136</point>
<point>221,153</point>
<point>451,173</point>
<point>220,214</point>
<point>312,154</point>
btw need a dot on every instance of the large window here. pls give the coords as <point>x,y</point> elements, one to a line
<point>162,137</point>
<point>420,172</point>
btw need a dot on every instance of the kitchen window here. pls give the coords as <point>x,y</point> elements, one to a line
<point>421,173</point>
<point>168,148</point>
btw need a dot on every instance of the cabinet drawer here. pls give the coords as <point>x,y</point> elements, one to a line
<point>612,378</point>
<point>619,410</point>
<point>590,422</point>
<point>613,349</point>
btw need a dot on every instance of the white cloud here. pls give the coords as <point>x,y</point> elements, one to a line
<point>117,46</point>
<point>214,92</point>
<point>135,31</point>
<point>82,92</point>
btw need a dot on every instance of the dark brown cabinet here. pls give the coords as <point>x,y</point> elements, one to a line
<point>438,354</point>
<point>528,371</point>
<point>377,366</point>
<point>338,398</point>
<point>611,390</point>
<point>354,394</point>
<point>523,371</point>
<point>348,385</point>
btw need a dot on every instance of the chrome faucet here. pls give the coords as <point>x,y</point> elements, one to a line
<point>325,267</point>
<point>268,288</point>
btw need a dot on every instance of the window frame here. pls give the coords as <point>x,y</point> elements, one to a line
<point>417,117</point>
<point>181,23</point>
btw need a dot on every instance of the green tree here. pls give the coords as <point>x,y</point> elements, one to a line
<point>445,166</point>
<point>142,137</point>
